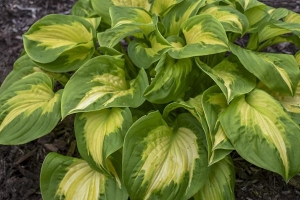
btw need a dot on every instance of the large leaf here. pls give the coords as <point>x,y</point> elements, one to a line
<point>163,162</point>
<point>279,72</point>
<point>263,133</point>
<point>101,133</point>
<point>101,83</point>
<point>204,35</point>
<point>172,80</point>
<point>29,109</point>
<point>231,19</point>
<point>230,76</point>
<point>179,13</point>
<point>220,184</point>
<point>213,103</point>
<point>67,178</point>
<point>60,43</point>
<point>133,16</point>
<point>149,50</point>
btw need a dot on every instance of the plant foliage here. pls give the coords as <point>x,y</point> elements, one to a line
<point>162,93</point>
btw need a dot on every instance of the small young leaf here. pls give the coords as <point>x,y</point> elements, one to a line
<point>171,81</point>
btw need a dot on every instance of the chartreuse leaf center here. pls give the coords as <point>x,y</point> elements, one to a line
<point>163,157</point>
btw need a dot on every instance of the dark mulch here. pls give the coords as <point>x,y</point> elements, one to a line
<point>20,165</point>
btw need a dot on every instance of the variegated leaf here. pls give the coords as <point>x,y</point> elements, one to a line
<point>163,162</point>
<point>29,109</point>
<point>204,35</point>
<point>278,13</point>
<point>220,184</point>
<point>67,178</point>
<point>278,72</point>
<point>231,19</point>
<point>247,4</point>
<point>297,57</point>
<point>172,80</point>
<point>292,17</point>
<point>111,37</point>
<point>213,103</point>
<point>160,7</point>
<point>83,8</point>
<point>193,105</point>
<point>101,83</point>
<point>179,13</point>
<point>274,136</point>
<point>256,16</point>
<point>290,103</point>
<point>101,133</point>
<point>134,16</point>
<point>273,29</point>
<point>230,76</point>
<point>150,50</point>
<point>60,43</point>
<point>22,67</point>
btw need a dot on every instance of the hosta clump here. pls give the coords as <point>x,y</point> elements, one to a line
<point>162,93</point>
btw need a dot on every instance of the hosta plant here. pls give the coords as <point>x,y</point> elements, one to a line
<point>162,92</point>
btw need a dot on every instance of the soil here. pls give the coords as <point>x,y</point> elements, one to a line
<point>20,165</point>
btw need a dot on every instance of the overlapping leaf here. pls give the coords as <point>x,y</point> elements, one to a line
<point>101,83</point>
<point>160,7</point>
<point>60,43</point>
<point>278,72</point>
<point>67,178</point>
<point>248,4</point>
<point>262,133</point>
<point>179,13</point>
<point>271,30</point>
<point>204,35</point>
<point>256,16</point>
<point>171,81</point>
<point>150,50</point>
<point>231,19</point>
<point>83,8</point>
<point>230,76</point>
<point>214,102</point>
<point>134,16</point>
<point>101,133</point>
<point>220,184</point>
<point>163,162</point>
<point>110,37</point>
<point>29,109</point>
